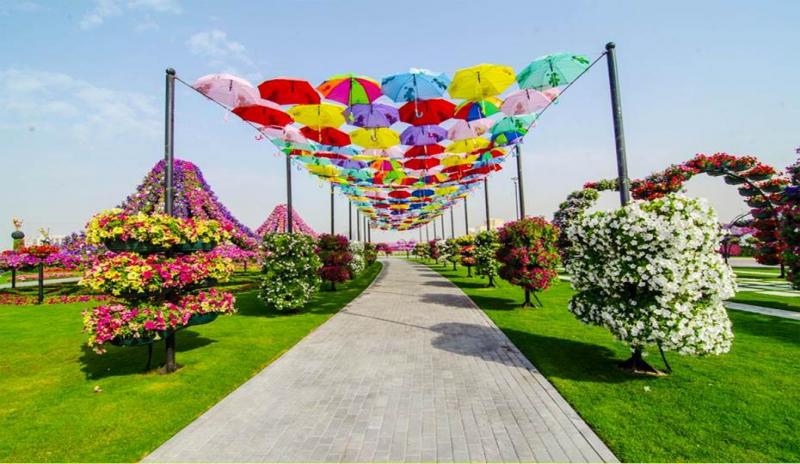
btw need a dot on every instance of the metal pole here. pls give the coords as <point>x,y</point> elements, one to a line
<point>442,218</point>
<point>169,159</point>
<point>358,225</point>
<point>427,232</point>
<point>486,196</point>
<point>40,300</point>
<point>466,217</point>
<point>452,224</point>
<point>369,231</point>
<point>434,228</point>
<point>349,220</point>
<point>420,233</point>
<point>289,212</point>
<point>519,183</point>
<point>169,142</point>
<point>619,133</point>
<point>516,198</point>
<point>332,229</point>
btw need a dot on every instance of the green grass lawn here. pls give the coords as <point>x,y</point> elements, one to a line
<point>50,411</point>
<point>764,275</point>
<point>741,406</point>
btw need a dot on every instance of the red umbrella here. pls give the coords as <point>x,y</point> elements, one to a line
<point>264,115</point>
<point>425,112</point>
<point>424,150</point>
<point>327,135</point>
<point>399,194</point>
<point>460,168</point>
<point>289,91</point>
<point>409,180</point>
<point>421,163</point>
<point>329,155</point>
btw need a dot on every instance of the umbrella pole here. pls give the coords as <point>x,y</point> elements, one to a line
<point>452,224</point>
<point>332,209</point>
<point>350,220</point>
<point>486,196</point>
<point>466,217</point>
<point>169,192</point>
<point>519,183</point>
<point>358,225</point>
<point>289,212</point>
<point>619,133</point>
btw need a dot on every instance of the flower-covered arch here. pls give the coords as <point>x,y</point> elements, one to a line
<point>759,184</point>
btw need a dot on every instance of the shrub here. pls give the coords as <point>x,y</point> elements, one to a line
<point>370,254</point>
<point>451,251</point>
<point>528,255</point>
<point>358,263</point>
<point>290,271</point>
<point>651,274</point>
<point>334,251</point>
<point>485,248</point>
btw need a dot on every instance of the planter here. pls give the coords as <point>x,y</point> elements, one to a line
<point>762,213</point>
<point>133,341</point>
<point>748,191</point>
<point>133,246</point>
<point>772,188</point>
<point>194,247</point>
<point>758,177</point>
<point>730,180</point>
<point>715,172</point>
<point>757,202</point>
<point>200,319</point>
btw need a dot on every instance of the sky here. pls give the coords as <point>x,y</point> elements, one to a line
<point>82,93</point>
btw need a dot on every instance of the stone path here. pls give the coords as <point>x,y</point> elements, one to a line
<point>409,371</point>
<point>762,310</point>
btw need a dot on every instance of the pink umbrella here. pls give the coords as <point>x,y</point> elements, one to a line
<point>287,134</point>
<point>469,129</point>
<point>527,101</point>
<point>228,90</point>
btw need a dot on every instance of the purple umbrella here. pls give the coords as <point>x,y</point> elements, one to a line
<point>371,115</point>
<point>423,135</point>
<point>349,163</point>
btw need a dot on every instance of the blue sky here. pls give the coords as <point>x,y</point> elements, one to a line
<point>82,83</point>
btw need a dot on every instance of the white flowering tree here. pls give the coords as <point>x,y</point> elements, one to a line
<point>651,274</point>
<point>290,271</point>
<point>358,263</point>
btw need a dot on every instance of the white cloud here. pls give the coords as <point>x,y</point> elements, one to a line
<point>58,102</point>
<point>105,9</point>
<point>216,45</point>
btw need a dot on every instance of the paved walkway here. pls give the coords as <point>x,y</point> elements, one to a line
<point>409,371</point>
<point>762,310</point>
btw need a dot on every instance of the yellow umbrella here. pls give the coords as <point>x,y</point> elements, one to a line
<point>467,145</point>
<point>322,115</point>
<point>327,170</point>
<point>481,81</point>
<point>380,137</point>
<point>446,190</point>
<point>399,206</point>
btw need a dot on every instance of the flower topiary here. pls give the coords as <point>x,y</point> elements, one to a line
<point>334,251</point>
<point>485,248</point>
<point>290,271</point>
<point>528,255</point>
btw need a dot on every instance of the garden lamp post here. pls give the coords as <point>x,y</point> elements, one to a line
<point>486,197</point>
<point>289,218</point>
<point>434,228</point>
<point>441,217</point>
<point>516,197</point>
<point>332,228</point>
<point>358,225</point>
<point>619,132</point>
<point>169,158</point>
<point>349,220</point>
<point>466,217</point>
<point>518,183</point>
<point>452,224</point>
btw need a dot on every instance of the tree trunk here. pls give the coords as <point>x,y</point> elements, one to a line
<point>637,365</point>
<point>469,271</point>
<point>527,303</point>
<point>491,281</point>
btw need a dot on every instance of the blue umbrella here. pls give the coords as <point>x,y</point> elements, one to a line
<point>422,193</point>
<point>417,84</point>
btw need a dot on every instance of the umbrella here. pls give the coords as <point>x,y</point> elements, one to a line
<point>321,115</point>
<point>289,91</point>
<point>323,170</point>
<point>446,190</point>
<point>427,111</point>
<point>467,145</point>
<point>481,81</point>
<point>374,153</point>
<point>456,160</point>
<point>265,115</point>
<point>525,101</point>
<point>358,174</point>
<point>514,124</point>
<point>417,84</point>
<point>424,150</point>
<point>385,165</point>
<point>552,71</point>
<point>327,135</point>
<point>421,163</point>
<point>329,155</point>
<point>421,193</point>
<point>287,134</point>
<point>372,115</point>
<point>347,163</point>
<point>423,135</point>
<point>399,194</point>
<point>227,89</point>
<point>350,89</point>
<point>375,137</point>
<point>504,139</point>
<point>471,110</point>
<point>469,129</point>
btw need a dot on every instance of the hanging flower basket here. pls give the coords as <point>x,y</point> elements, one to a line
<point>715,172</point>
<point>758,177</point>
<point>748,191</point>
<point>134,341</point>
<point>762,213</point>
<point>200,319</point>
<point>135,246</point>
<point>731,180</point>
<point>772,188</point>
<point>757,202</point>
<point>195,247</point>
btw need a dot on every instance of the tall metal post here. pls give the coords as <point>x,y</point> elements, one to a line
<point>369,231</point>
<point>332,228</point>
<point>420,233</point>
<point>169,191</point>
<point>466,217</point>
<point>427,232</point>
<point>452,224</point>
<point>289,210</point>
<point>486,196</point>
<point>516,198</point>
<point>520,188</point>
<point>358,225</point>
<point>619,133</point>
<point>434,228</point>
<point>442,218</point>
<point>349,220</point>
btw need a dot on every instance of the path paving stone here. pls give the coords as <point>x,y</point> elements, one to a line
<point>409,371</point>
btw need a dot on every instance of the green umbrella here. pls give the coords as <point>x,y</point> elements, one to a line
<point>552,71</point>
<point>514,124</point>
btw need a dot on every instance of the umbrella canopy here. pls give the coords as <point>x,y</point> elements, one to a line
<point>525,101</point>
<point>425,112</point>
<point>552,71</point>
<point>473,110</point>
<point>481,81</point>
<point>350,89</point>
<point>422,193</point>
<point>385,165</point>
<point>417,84</point>
<point>321,115</point>
<point>227,89</point>
<point>372,115</point>
<point>469,129</point>
<point>289,91</point>
<point>514,123</point>
<point>323,170</point>
<point>348,163</point>
<point>399,194</point>
<point>424,150</point>
<point>287,134</point>
<point>327,135</point>
<point>265,115</point>
<point>455,160</point>
<point>375,137</point>
<point>467,145</point>
<point>421,163</point>
<point>423,135</point>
